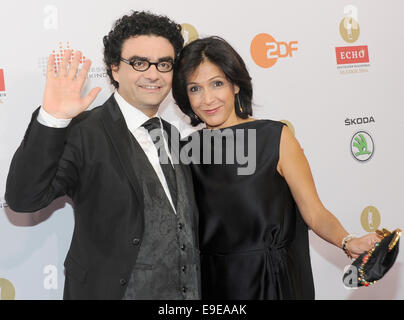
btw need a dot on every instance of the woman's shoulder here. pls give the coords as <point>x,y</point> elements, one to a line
<point>269,123</point>
<point>265,126</point>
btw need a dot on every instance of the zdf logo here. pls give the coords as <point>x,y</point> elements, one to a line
<point>266,51</point>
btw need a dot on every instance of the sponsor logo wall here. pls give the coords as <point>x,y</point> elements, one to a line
<point>328,71</point>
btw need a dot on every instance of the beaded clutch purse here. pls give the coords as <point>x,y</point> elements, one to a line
<point>373,265</point>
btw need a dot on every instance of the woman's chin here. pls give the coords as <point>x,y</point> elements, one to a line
<point>212,124</point>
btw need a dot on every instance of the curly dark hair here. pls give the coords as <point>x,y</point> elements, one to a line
<point>219,52</point>
<point>136,24</point>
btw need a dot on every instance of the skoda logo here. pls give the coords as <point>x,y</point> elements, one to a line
<point>362,146</point>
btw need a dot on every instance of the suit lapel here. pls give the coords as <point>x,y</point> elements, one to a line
<point>174,157</point>
<point>117,130</point>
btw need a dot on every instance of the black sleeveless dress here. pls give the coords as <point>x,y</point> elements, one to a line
<point>254,243</point>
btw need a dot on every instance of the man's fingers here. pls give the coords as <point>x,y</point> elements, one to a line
<point>50,69</point>
<point>82,75</point>
<point>65,62</point>
<point>91,97</point>
<point>74,65</point>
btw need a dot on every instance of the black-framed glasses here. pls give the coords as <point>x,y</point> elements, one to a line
<point>143,64</point>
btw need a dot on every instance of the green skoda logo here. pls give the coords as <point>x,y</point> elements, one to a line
<point>362,146</point>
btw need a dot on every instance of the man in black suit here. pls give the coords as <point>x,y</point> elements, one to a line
<point>135,234</point>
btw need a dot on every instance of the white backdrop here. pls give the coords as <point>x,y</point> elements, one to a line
<point>326,101</point>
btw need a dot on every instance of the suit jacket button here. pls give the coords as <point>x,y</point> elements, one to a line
<point>184,289</point>
<point>136,241</point>
<point>123,282</point>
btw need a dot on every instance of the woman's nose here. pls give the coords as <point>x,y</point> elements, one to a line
<point>208,97</point>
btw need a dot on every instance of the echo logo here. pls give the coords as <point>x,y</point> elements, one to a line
<point>7,290</point>
<point>351,55</point>
<point>266,51</point>
<point>2,82</point>
<point>2,85</point>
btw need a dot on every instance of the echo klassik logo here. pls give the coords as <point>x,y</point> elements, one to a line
<point>189,33</point>
<point>265,50</point>
<point>95,72</point>
<point>351,59</point>
<point>362,146</point>
<point>58,54</point>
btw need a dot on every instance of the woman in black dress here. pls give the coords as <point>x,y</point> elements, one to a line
<point>253,223</point>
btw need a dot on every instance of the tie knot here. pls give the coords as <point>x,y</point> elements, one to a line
<point>152,123</point>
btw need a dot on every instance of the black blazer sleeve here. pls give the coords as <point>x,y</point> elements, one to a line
<point>44,167</point>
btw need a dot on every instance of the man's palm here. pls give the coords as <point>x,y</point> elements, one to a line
<point>62,97</point>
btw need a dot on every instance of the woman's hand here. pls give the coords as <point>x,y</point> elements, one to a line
<point>357,246</point>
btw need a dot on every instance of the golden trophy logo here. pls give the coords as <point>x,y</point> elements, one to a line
<point>370,219</point>
<point>189,33</point>
<point>7,290</point>
<point>349,26</point>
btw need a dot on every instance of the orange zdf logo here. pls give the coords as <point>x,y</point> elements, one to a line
<point>266,51</point>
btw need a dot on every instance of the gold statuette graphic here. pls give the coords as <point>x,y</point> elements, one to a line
<point>189,33</point>
<point>349,29</point>
<point>7,290</point>
<point>370,219</point>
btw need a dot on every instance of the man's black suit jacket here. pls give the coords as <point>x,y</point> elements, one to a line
<point>90,161</point>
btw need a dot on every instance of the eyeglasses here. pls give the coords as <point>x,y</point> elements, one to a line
<point>143,64</point>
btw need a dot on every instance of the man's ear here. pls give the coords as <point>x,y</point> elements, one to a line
<point>115,74</point>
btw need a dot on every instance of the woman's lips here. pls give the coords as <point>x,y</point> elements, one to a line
<point>211,111</point>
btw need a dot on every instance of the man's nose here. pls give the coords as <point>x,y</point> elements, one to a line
<point>152,73</point>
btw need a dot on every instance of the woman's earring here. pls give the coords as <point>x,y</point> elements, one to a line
<point>239,104</point>
<point>196,117</point>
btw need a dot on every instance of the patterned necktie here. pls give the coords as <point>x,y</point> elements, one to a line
<point>168,169</point>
